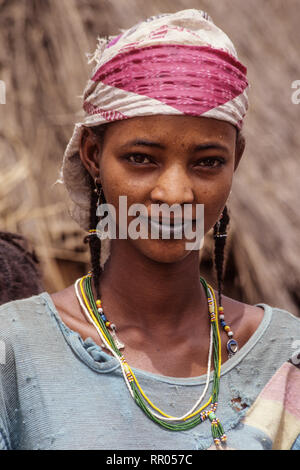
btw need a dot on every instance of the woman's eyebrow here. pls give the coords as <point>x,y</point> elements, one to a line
<point>143,143</point>
<point>193,148</point>
<point>210,145</point>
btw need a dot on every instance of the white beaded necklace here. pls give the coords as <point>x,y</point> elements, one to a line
<point>90,320</point>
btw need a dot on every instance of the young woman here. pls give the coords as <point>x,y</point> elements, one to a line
<point>142,353</point>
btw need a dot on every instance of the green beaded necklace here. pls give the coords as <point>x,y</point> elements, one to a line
<point>94,312</point>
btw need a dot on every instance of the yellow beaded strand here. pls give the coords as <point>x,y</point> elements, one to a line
<point>129,372</point>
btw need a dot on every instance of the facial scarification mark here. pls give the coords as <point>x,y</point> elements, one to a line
<point>237,404</point>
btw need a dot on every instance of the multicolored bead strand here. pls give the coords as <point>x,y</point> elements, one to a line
<point>232,345</point>
<point>109,325</point>
<point>94,312</point>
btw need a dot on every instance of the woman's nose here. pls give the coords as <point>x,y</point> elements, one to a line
<point>173,187</point>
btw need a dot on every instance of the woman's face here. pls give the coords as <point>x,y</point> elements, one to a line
<point>165,159</point>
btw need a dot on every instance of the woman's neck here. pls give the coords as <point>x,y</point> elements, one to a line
<point>146,292</point>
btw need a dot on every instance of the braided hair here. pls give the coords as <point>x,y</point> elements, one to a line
<point>19,274</point>
<point>96,196</point>
<point>93,240</point>
<point>220,235</point>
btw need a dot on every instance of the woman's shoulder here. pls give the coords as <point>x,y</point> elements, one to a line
<point>24,312</point>
<point>261,325</point>
<point>24,304</point>
<point>256,313</point>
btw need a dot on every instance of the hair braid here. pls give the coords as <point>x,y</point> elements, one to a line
<point>94,241</point>
<point>220,241</point>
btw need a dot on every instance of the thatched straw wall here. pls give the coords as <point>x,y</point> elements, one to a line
<point>43,64</point>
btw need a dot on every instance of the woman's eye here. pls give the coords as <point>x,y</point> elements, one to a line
<point>211,162</point>
<point>138,158</point>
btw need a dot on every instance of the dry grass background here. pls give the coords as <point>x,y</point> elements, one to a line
<point>42,61</point>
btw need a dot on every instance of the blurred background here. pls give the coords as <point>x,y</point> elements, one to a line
<point>44,68</point>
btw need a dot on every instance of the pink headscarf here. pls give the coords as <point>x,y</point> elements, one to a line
<point>172,64</point>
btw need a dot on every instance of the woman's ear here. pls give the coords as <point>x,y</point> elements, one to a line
<point>239,148</point>
<point>90,151</point>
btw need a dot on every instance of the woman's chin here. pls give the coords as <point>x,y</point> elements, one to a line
<point>163,250</point>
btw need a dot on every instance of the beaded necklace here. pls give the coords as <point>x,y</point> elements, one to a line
<point>107,332</point>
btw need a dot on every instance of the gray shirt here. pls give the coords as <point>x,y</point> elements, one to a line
<point>60,392</point>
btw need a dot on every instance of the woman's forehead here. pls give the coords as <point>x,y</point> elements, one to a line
<point>170,128</point>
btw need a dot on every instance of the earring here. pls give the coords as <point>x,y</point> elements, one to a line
<point>98,190</point>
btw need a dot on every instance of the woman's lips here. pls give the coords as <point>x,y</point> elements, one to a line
<point>167,226</point>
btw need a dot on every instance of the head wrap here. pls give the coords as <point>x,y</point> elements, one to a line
<point>173,64</point>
